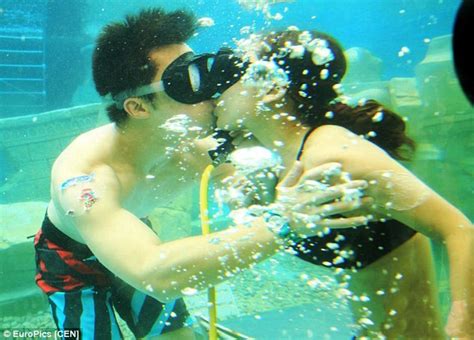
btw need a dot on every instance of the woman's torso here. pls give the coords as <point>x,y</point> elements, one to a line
<point>390,265</point>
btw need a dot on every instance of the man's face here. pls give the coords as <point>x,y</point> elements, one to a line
<point>200,115</point>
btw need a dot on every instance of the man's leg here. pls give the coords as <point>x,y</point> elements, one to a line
<point>87,309</point>
<point>180,334</point>
<point>148,317</point>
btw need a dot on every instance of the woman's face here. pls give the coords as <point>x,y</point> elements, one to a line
<point>236,106</point>
<point>239,104</point>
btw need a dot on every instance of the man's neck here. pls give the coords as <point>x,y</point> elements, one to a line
<point>140,146</point>
<point>145,148</point>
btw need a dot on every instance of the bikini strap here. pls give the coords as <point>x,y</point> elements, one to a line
<point>300,152</point>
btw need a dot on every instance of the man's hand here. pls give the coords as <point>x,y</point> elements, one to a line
<point>255,188</point>
<point>310,199</point>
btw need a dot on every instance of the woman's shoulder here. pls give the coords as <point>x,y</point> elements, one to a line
<point>332,143</point>
<point>338,138</point>
<point>323,130</point>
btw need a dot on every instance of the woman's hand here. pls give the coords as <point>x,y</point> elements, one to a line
<point>311,199</point>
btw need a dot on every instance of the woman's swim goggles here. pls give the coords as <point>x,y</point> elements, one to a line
<point>191,78</point>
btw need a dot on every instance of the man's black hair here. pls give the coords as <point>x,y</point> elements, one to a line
<point>121,59</point>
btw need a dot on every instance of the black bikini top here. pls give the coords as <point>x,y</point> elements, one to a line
<point>352,247</point>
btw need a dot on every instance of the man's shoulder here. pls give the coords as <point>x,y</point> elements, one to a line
<point>85,152</point>
<point>76,189</point>
<point>82,172</point>
<point>70,172</point>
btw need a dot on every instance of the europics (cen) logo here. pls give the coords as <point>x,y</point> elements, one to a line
<point>41,333</point>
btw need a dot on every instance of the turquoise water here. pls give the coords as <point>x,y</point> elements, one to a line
<point>68,30</point>
<point>411,40</point>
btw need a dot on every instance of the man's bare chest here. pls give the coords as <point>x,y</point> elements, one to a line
<point>159,188</point>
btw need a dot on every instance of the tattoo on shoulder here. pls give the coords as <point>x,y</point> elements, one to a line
<point>75,180</point>
<point>88,198</point>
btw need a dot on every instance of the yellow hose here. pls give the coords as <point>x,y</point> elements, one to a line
<point>203,208</point>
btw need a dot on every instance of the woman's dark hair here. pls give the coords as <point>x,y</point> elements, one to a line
<point>121,59</point>
<point>314,76</point>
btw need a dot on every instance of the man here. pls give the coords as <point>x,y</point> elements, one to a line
<point>93,250</point>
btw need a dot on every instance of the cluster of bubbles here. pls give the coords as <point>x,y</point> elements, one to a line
<point>177,125</point>
<point>264,7</point>
<point>177,130</point>
<point>319,48</point>
<point>254,167</point>
<point>252,159</point>
<point>403,51</point>
<point>266,74</point>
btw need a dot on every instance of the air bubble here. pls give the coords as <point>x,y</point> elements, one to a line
<point>324,74</point>
<point>189,291</point>
<point>366,321</point>
<point>378,117</point>
<point>278,16</point>
<point>329,115</point>
<point>297,52</point>
<point>214,240</point>
<point>305,37</point>
<point>278,143</point>
<point>205,22</point>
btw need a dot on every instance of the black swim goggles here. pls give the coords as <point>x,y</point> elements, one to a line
<point>191,78</point>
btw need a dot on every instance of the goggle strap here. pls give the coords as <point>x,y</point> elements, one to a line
<point>144,90</point>
<point>149,89</point>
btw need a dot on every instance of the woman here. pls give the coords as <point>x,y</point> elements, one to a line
<point>286,100</point>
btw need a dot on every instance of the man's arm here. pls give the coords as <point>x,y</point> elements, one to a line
<point>128,248</point>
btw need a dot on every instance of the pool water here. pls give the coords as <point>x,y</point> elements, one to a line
<point>399,53</point>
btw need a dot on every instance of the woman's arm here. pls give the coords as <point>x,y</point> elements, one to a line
<point>443,221</point>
